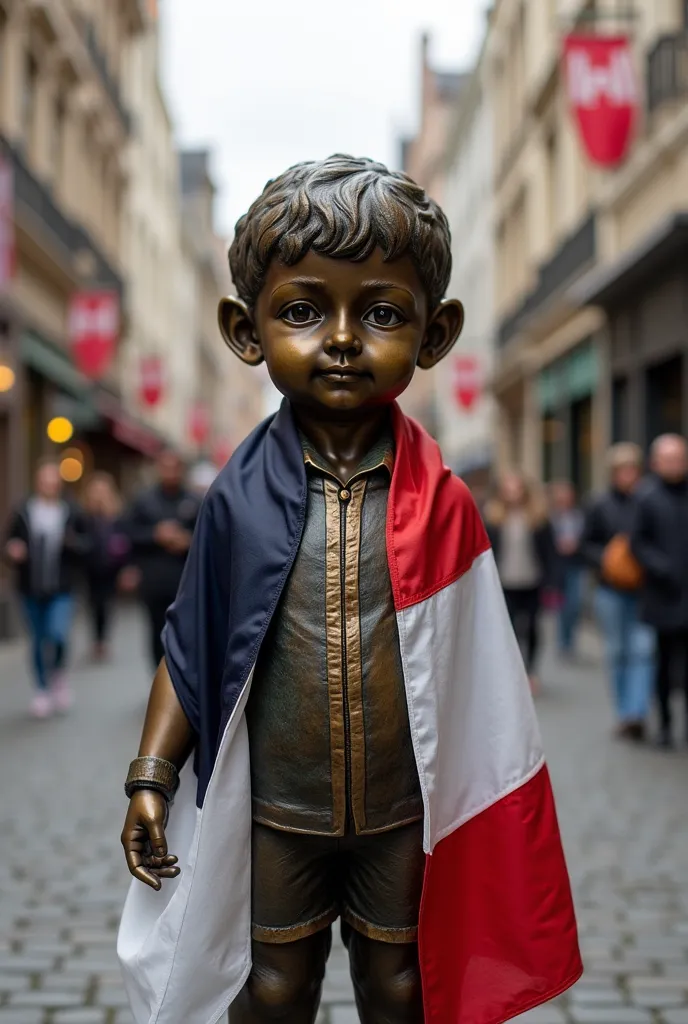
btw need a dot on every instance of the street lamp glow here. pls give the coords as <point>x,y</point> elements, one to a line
<point>60,430</point>
<point>71,470</point>
<point>7,378</point>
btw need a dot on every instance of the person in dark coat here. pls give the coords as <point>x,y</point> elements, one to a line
<point>629,642</point>
<point>567,521</point>
<point>46,542</point>
<point>109,548</point>
<point>523,545</point>
<point>659,540</point>
<point>160,526</point>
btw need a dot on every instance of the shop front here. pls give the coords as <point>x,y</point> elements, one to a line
<point>566,390</point>
<point>645,297</point>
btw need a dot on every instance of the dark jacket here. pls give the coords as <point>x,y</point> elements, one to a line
<point>75,548</point>
<point>543,546</point>
<point>109,548</point>
<point>161,570</point>
<point>659,540</point>
<point>607,515</point>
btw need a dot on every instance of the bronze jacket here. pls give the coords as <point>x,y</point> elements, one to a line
<point>327,717</point>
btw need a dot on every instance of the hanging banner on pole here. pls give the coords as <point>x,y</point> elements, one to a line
<point>467,380</point>
<point>152,380</point>
<point>603,93</point>
<point>93,325</point>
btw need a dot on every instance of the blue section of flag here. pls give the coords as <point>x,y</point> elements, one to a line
<point>245,543</point>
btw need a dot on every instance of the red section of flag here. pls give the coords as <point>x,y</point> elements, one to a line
<point>152,380</point>
<point>497,928</point>
<point>467,380</point>
<point>434,529</point>
<point>603,94</point>
<point>93,327</point>
<point>7,240</point>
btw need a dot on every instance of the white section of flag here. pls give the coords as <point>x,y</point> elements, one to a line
<point>474,728</point>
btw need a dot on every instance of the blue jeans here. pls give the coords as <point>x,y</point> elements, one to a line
<point>630,649</point>
<point>49,620</point>
<point>572,597</point>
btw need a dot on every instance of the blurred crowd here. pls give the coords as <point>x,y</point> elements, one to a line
<point>626,550</point>
<point>58,546</point>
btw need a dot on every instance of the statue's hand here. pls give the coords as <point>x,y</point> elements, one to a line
<point>143,839</point>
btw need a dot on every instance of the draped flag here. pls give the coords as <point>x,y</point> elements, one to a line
<point>497,929</point>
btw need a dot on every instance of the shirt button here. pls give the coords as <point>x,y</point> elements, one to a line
<point>344,494</point>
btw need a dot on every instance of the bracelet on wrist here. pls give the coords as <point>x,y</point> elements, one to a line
<point>152,773</point>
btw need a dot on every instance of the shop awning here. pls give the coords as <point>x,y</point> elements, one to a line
<point>127,429</point>
<point>608,285</point>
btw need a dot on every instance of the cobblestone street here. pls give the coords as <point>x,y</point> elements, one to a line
<point>624,814</point>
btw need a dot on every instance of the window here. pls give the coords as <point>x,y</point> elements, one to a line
<point>620,422</point>
<point>57,136</point>
<point>29,94</point>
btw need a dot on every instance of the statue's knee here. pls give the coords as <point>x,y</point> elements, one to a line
<point>290,979</point>
<point>399,992</point>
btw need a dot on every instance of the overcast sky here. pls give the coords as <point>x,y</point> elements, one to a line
<point>263,86</point>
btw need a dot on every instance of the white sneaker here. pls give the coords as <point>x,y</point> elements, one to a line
<point>60,693</point>
<point>41,705</point>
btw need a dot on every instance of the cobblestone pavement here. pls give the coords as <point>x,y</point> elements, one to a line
<point>623,811</point>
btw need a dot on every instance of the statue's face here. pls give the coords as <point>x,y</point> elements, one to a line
<point>340,335</point>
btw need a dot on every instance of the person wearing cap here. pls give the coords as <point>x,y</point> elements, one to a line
<point>605,545</point>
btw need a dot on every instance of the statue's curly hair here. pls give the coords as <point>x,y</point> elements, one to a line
<point>343,207</point>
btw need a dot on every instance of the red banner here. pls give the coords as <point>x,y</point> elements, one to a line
<point>222,451</point>
<point>152,380</point>
<point>7,245</point>
<point>199,423</point>
<point>94,330</point>
<point>467,381</point>
<point>603,93</point>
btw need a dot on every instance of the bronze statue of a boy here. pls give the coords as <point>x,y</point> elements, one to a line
<point>339,669</point>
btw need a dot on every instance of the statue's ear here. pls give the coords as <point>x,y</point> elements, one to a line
<point>442,333</point>
<point>238,330</point>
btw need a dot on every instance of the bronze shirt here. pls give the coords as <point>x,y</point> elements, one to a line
<point>328,723</point>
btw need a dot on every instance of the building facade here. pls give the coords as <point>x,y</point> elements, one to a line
<point>424,160</point>
<point>64,134</point>
<point>465,407</point>
<point>230,391</point>
<point>163,303</point>
<point>591,263</point>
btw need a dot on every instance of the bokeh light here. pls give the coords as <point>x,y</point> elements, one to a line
<point>60,430</point>
<point>7,378</point>
<point>71,470</point>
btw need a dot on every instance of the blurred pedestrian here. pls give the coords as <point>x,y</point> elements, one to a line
<point>605,545</point>
<point>108,550</point>
<point>523,546</point>
<point>567,524</point>
<point>160,525</point>
<point>45,542</point>
<point>660,543</point>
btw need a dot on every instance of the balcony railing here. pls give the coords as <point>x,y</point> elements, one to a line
<point>576,253</point>
<point>74,238</point>
<point>667,71</point>
<point>109,83</point>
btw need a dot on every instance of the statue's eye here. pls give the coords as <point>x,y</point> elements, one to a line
<point>300,313</point>
<point>383,315</point>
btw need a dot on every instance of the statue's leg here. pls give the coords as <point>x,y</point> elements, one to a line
<point>293,903</point>
<point>386,980</point>
<point>285,982</point>
<point>382,892</point>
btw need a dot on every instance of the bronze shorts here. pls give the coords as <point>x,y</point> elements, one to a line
<point>302,883</point>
